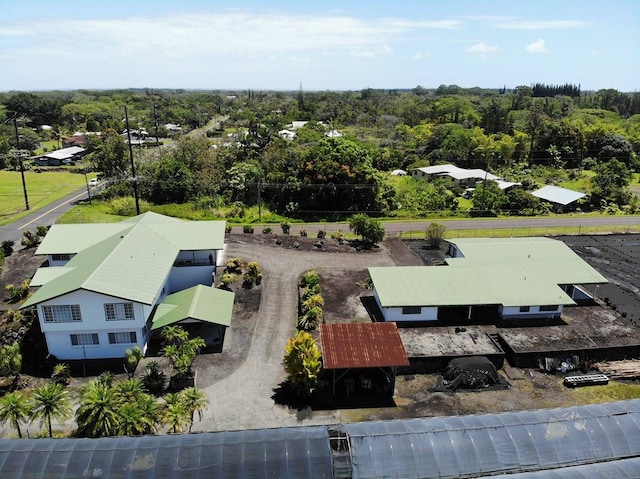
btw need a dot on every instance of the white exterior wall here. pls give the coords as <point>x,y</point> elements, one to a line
<point>93,321</point>
<point>183,277</point>
<point>427,313</point>
<point>513,312</point>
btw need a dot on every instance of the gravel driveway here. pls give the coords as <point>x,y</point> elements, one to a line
<point>243,400</point>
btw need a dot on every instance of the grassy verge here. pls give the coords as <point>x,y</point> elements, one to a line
<point>42,189</point>
<point>507,232</point>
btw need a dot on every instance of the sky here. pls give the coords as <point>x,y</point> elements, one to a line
<point>319,45</point>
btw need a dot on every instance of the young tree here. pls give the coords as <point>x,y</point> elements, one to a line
<point>610,182</point>
<point>98,413</point>
<point>174,413</point>
<point>14,408</point>
<point>51,401</point>
<point>303,364</point>
<point>11,361</point>
<point>194,401</point>
<point>370,229</point>
<point>488,199</point>
<point>435,235</point>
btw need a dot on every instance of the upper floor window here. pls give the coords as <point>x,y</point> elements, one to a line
<point>65,313</point>
<point>118,311</point>
<point>60,257</point>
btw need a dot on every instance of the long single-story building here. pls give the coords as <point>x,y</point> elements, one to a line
<point>460,176</point>
<point>518,278</point>
<point>107,286</point>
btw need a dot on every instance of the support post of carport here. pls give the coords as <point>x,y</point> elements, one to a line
<point>469,313</point>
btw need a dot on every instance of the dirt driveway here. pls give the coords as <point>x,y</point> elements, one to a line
<point>243,399</point>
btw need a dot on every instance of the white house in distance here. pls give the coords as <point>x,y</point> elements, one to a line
<point>518,278</point>
<point>105,282</point>
<point>460,176</point>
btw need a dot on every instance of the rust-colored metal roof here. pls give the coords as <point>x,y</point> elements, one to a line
<point>361,345</point>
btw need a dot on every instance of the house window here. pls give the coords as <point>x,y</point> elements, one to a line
<point>66,313</point>
<point>525,309</point>
<point>87,339</point>
<point>127,337</point>
<point>551,307</point>
<point>60,257</point>
<point>118,311</point>
<point>411,309</point>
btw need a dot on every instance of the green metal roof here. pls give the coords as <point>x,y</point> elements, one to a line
<point>507,271</point>
<point>133,262</point>
<point>202,303</point>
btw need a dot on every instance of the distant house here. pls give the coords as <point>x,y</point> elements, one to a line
<point>511,278</point>
<point>107,286</point>
<point>59,157</point>
<point>78,139</point>
<point>460,176</point>
<point>287,134</point>
<point>398,173</point>
<point>560,198</point>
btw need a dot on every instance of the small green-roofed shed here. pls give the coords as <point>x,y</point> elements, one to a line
<point>199,303</point>
<point>506,271</point>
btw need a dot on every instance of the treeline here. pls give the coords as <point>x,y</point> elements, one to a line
<point>567,89</point>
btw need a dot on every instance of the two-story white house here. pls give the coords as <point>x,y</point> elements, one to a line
<point>104,282</point>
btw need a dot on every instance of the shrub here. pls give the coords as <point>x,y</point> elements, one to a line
<point>227,229</point>
<point>133,357</point>
<point>14,315</point>
<point>227,279</point>
<point>61,374</point>
<point>29,239</point>
<point>313,301</point>
<point>153,379</point>
<point>338,236</point>
<point>247,229</point>
<point>321,234</point>
<point>286,227</point>
<point>303,232</point>
<point>234,265</point>
<point>267,230</point>
<point>18,293</point>
<point>435,235</point>
<point>42,230</point>
<point>303,364</point>
<point>7,248</point>
<point>310,279</point>
<point>253,275</point>
<point>309,321</point>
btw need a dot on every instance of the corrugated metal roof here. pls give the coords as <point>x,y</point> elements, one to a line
<point>507,271</point>
<point>361,345</point>
<point>64,153</point>
<point>202,303</point>
<point>131,263</point>
<point>555,194</point>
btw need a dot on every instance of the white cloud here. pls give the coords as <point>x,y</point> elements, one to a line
<point>482,50</point>
<point>417,56</point>
<point>235,33</point>
<point>362,53</point>
<point>541,25</point>
<point>538,46</point>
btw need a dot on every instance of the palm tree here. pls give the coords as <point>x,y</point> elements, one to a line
<point>150,413</point>
<point>51,401</point>
<point>97,415</point>
<point>174,413</point>
<point>129,389</point>
<point>131,419</point>
<point>194,401</point>
<point>11,362</point>
<point>14,408</point>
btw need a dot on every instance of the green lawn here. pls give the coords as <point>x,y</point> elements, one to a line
<point>42,189</point>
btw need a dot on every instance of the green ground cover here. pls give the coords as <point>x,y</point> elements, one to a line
<point>42,189</point>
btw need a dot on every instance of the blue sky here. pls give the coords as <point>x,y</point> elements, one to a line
<point>325,45</point>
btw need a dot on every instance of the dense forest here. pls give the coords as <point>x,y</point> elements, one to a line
<point>338,162</point>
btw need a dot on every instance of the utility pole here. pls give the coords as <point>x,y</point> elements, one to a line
<point>155,121</point>
<point>24,184</point>
<point>133,166</point>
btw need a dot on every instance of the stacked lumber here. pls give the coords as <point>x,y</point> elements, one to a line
<point>628,369</point>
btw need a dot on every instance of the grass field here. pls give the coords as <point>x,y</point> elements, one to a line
<point>42,189</point>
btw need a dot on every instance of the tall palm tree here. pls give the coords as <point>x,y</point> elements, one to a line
<point>151,413</point>
<point>51,401</point>
<point>194,401</point>
<point>174,414</point>
<point>14,408</point>
<point>97,415</point>
<point>131,419</point>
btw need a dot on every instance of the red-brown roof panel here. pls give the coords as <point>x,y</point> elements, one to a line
<point>361,345</point>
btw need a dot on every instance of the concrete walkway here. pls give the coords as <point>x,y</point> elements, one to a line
<point>243,400</point>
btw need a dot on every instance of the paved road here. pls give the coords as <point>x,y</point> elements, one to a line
<point>44,216</point>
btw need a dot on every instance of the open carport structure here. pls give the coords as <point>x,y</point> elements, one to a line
<point>351,351</point>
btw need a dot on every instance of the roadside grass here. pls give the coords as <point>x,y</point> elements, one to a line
<point>42,189</point>
<point>508,232</point>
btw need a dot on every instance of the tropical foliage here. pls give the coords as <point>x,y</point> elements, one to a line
<point>303,364</point>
